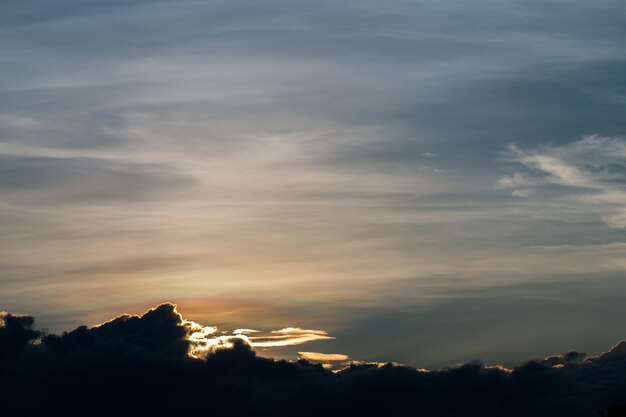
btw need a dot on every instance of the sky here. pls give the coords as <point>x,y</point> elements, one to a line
<point>424,182</point>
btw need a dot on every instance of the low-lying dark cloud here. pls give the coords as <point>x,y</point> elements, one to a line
<point>15,333</point>
<point>140,366</point>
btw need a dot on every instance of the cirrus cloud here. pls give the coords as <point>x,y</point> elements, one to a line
<point>323,357</point>
<point>590,175</point>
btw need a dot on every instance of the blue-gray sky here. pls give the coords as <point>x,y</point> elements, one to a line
<point>430,182</point>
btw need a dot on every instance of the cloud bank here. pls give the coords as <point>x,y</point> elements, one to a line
<point>140,365</point>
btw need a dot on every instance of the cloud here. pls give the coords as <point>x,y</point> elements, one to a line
<point>523,192</point>
<point>593,162</point>
<point>570,357</point>
<point>617,220</point>
<point>617,352</point>
<point>590,172</point>
<point>244,331</point>
<point>15,333</point>
<point>323,357</point>
<point>558,171</point>
<point>513,181</point>
<point>139,365</point>
<point>288,336</point>
<point>199,340</point>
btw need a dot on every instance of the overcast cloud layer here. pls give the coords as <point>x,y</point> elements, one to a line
<point>395,173</point>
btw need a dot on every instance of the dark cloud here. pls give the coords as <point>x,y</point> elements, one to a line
<point>135,365</point>
<point>15,333</point>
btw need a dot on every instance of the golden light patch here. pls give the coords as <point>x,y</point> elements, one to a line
<point>323,357</point>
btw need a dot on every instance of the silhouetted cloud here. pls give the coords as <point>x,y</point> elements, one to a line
<point>617,352</point>
<point>140,365</point>
<point>15,333</point>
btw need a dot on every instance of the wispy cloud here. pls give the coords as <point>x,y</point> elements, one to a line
<point>204,339</point>
<point>323,357</point>
<point>591,172</point>
<point>288,336</point>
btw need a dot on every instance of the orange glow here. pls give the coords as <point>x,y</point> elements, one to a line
<point>323,357</point>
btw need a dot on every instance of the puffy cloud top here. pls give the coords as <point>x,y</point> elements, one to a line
<point>140,365</point>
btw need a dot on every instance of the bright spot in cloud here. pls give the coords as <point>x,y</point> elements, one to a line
<point>203,339</point>
<point>245,331</point>
<point>323,357</point>
<point>288,337</point>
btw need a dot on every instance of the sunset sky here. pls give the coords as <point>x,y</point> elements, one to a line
<point>419,181</point>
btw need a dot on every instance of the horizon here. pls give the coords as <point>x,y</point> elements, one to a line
<point>288,344</point>
<point>162,364</point>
